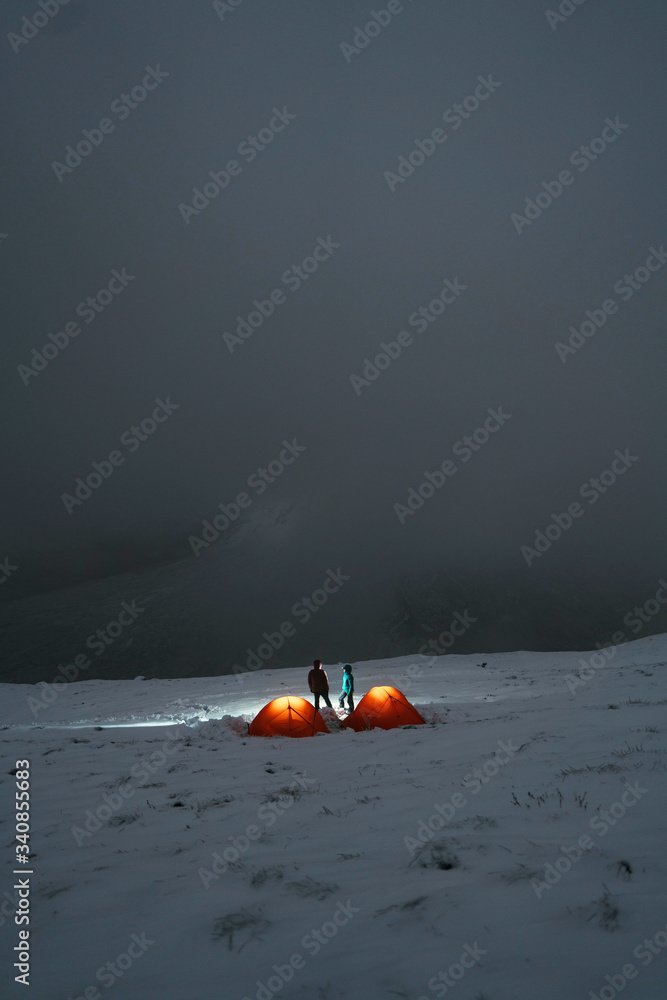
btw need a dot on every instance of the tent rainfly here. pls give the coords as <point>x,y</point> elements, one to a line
<point>287,716</point>
<point>383,708</point>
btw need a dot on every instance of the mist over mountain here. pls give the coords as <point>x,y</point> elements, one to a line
<point>329,319</point>
<point>235,607</point>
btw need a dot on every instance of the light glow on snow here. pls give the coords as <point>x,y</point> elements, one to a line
<point>503,788</point>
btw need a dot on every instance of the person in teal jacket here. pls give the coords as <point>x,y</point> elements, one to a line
<point>348,689</point>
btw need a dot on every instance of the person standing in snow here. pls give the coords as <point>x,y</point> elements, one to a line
<point>318,682</point>
<point>348,689</point>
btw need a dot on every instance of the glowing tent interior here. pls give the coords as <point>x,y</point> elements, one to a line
<point>383,708</point>
<point>287,716</point>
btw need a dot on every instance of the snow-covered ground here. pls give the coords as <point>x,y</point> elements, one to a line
<point>510,849</point>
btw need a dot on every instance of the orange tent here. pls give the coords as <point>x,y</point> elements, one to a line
<point>288,716</point>
<point>383,708</point>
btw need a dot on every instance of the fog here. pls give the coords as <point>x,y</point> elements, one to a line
<point>499,167</point>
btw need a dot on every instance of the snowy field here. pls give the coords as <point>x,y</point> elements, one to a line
<point>511,849</point>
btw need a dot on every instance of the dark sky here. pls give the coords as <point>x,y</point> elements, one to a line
<point>323,176</point>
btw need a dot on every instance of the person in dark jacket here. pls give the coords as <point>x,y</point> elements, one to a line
<point>348,689</point>
<point>318,682</point>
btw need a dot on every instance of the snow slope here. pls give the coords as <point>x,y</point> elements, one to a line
<point>294,868</point>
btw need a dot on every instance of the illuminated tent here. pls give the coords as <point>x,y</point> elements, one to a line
<point>288,716</point>
<point>383,708</point>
